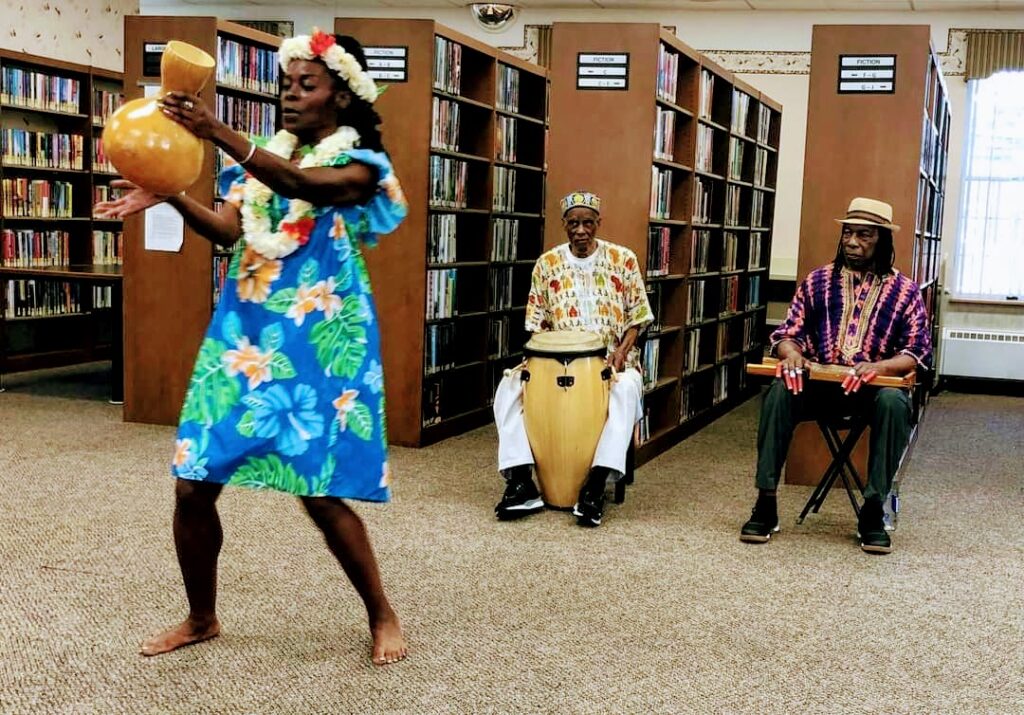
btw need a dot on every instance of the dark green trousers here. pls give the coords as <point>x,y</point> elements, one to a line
<point>888,410</point>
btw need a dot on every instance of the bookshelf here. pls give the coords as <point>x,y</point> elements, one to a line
<point>169,297</point>
<point>685,158</point>
<point>901,160</point>
<point>466,133</point>
<point>60,269</point>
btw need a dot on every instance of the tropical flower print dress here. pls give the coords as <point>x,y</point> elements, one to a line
<point>288,392</point>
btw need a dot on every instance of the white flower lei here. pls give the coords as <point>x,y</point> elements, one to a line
<point>335,57</point>
<point>256,226</point>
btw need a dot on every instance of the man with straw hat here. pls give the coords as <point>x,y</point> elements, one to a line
<point>857,311</point>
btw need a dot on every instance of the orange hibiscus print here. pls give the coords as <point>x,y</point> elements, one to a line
<point>250,361</point>
<point>306,301</point>
<point>255,274</point>
<point>182,447</point>
<point>344,404</point>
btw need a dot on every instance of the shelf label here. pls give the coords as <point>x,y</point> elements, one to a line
<point>152,53</point>
<point>867,74</point>
<point>388,64</point>
<point>602,70</point>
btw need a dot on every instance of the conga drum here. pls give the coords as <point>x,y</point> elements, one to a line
<point>566,384</point>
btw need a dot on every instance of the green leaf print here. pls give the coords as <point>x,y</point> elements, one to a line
<point>309,273</point>
<point>231,328</point>
<point>281,301</point>
<point>281,367</point>
<point>269,473</point>
<point>343,281</point>
<point>363,273</point>
<point>247,425</point>
<point>360,421</point>
<point>382,415</point>
<point>211,392</point>
<point>271,337</point>
<point>341,341</point>
<point>332,438</point>
<point>323,482</point>
<point>236,260</point>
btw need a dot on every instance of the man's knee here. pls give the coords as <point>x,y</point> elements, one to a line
<point>192,494</point>
<point>777,397</point>
<point>892,402</point>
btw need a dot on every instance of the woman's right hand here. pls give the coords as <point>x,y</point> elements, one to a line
<point>136,199</point>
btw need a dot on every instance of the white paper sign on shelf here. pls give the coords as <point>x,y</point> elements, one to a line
<point>165,229</point>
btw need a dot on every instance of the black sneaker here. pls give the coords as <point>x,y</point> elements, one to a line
<point>874,539</point>
<point>590,505</point>
<point>763,522</point>
<point>521,497</point>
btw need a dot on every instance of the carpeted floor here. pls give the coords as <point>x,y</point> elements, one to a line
<point>660,610</point>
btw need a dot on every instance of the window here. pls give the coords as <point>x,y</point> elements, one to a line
<point>990,242</point>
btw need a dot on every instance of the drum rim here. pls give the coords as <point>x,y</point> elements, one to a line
<point>593,352</point>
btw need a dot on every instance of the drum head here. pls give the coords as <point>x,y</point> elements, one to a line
<point>565,342</point>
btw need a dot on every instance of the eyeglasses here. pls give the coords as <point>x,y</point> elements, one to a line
<point>574,223</point>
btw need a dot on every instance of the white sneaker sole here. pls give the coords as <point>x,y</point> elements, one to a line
<point>579,514</point>
<point>527,507</point>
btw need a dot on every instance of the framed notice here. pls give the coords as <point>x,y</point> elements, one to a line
<point>867,74</point>
<point>387,64</point>
<point>152,52</point>
<point>602,70</point>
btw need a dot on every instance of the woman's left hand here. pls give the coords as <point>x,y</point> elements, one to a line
<point>189,111</point>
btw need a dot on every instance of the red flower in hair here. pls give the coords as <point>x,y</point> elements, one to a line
<point>320,42</point>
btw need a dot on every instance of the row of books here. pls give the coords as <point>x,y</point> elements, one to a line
<point>695,301</point>
<point>448,182</point>
<point>499,283</point>
<point>104,104</point>
<point>733,200</point>
<point>659,250</point>
<point>668,73</point>
<point>654,294</point>
<point>753,292</point>
<point>927,254</point>
<point>506,138</point>
<point>250,117</point>
<point>736,158</point>
<point>40,90</point>
<point>649,362</point>
<point>665,134</point>
<point>740,112</point>
<point>929,209</point>
<point>101,162</point>
<point>447,65</point>
<point>705,148</point>
<point>760,167</point>
<point>21,147</point>
<point>221,266</point>
<point>104,192</point>
<point>723,341</point>
<point>703,195</point>
<point>720,388</point>
<point>439,351</point>
<point>700,249</point>
<point>764,123</point>
<point>757,209</point>
<point>707,89</point>
<point>691,351</point>
<point>508,88</point>
<point>498,345</point>
<point>30,298</point>
<point>108,248</point>
<point>33,249</point>
<point>246,66</point>
<point>643,428</point>
<point>504,198</point>
<point>728,295</point>
<point>754,255</point>
<point>445,122</point>
<point>441,293</point>
<point>37,198</point>
<point>441,238</point>
<point>504,239</point>
<point>661,193</point>
<point>730,251</point>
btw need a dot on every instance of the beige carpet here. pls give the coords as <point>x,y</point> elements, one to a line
<point>661,610</point>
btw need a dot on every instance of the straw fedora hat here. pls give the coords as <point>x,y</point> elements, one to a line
<point>869,212</point>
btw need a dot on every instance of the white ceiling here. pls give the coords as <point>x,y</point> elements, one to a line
<point>813,5</point>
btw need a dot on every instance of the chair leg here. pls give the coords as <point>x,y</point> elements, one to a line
<point>841,450</point>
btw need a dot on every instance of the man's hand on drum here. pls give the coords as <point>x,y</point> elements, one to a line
<point>133,201</point>
<point>861,374</point>
<point>189,111</point>
<point>791,366</point>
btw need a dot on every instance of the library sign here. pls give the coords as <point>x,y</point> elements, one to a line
<point>602,70</point>
<point>867,74</point>
<point>387,64</point>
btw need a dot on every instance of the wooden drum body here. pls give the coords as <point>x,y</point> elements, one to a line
<point>565,403</point>
<point>147,147</point>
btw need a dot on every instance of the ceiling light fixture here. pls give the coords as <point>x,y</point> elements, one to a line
<point>493,16</point>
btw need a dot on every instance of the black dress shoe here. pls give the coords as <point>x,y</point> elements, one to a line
<point>874,539</point>
<point>590,505</point>
<point>763,522</point>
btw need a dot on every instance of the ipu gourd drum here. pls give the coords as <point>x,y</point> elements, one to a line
<point>147,147</point>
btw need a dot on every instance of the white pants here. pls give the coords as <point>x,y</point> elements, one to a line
<point>625,409</point>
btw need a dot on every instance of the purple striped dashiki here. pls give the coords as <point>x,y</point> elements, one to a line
<point>839,318</point>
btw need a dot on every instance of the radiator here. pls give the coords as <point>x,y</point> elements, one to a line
<point>982,353</point>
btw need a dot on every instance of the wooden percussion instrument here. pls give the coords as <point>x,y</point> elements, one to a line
<point>566,384</point>
<point>831,373</point>
<point>149,148</point>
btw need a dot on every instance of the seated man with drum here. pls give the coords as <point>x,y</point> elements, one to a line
<point>860,312</point>
<point>587,286</point>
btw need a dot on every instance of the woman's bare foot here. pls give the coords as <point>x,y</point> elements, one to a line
<point>186,633</point>
<point>388,642</point>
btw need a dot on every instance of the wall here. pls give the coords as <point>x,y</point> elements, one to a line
<point>83,31</point>
<point>747,42</point>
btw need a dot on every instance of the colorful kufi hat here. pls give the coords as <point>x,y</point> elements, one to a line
<point>581,198</point>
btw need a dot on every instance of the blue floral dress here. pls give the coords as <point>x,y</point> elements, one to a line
<point>288,390</point>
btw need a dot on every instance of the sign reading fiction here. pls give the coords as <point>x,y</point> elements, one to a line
<point>387,64</point>
<point>152,52</point>
<point>867,74</point>
<point>602,70</point>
